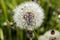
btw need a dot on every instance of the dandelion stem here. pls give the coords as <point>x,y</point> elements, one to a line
<point>1,34</point>
<point>30,38</point>
<point>19,34</point>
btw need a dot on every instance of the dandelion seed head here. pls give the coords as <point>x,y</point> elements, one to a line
<point>52,35</point>
<point>28,15</point>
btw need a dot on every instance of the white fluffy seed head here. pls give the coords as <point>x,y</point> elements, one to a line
<point>50,35</point>
<point>28,15</point>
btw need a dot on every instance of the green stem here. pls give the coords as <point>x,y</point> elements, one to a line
<point>4,9</point>
<point>30,38</point>
<point>36,36</point>
<point>6,17</point>
<point>19,34</point>
<point>1,34</point>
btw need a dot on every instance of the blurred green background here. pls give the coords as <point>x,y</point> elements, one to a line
<point>8,29</point>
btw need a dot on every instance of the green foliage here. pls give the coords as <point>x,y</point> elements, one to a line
<point>50,22</point>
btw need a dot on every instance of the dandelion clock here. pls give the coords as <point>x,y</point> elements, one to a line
<point>28,15</point>
<point>51,35</point>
